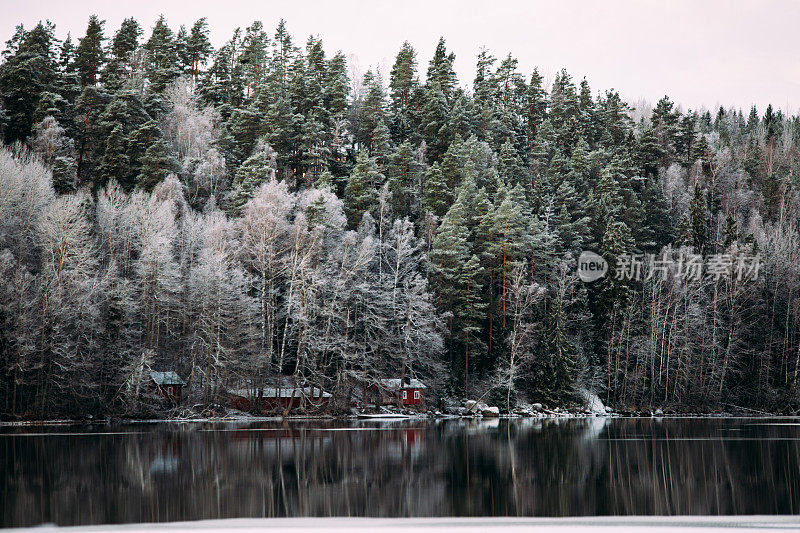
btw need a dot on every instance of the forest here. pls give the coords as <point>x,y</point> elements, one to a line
<point>264,213</point>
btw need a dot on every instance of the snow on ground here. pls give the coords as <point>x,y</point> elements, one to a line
<point>605,524</point>
<point>593,403</point>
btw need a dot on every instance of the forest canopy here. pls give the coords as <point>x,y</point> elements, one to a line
<point>250,215</point>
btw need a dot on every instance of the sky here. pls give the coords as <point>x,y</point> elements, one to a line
<point>701,54</point>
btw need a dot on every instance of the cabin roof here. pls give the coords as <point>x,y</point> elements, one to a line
<point>284,392</point>
<point>167,378</point>
<point>394,383</point>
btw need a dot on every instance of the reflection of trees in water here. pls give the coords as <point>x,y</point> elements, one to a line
<point>408,468</point>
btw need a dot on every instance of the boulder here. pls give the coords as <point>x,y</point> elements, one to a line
<point>470,404</point>
<point>537,407</point>
<point>491,412</point>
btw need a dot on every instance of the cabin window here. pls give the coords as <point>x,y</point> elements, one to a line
<point>416,395</point>
<point>405,395</point>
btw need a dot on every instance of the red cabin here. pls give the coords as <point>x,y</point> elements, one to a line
<point>168,385</point>
<point>281,399</point>
<point>388,391</point>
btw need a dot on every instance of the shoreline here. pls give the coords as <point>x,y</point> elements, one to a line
<point>352,418</point>
<point>573,524</point>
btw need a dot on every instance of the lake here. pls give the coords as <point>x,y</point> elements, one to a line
<point>104,474</point>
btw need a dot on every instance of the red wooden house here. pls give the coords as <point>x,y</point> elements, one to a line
<point>390,391</point>
<point>280,399</point>
<point>168,385</point>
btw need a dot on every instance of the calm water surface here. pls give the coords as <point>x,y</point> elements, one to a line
<point>165,472</point>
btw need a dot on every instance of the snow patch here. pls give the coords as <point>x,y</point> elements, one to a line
<point>593,403</point>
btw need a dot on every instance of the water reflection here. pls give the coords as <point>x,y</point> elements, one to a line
<point>166,472</point>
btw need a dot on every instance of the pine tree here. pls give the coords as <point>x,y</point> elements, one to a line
<point>241,132</point>
<point>404,181</point>
<point>588,119</point>
<point>198,48</point>
<point>434,122</point>
<point>509,165</point>
<point>685,137</point>
<point>65,174</point>
<point>372,111</point>
<point>120,67</point>
<point>254,60</point>
<point>564,111</point>
<point>66,56</point>
<point>381,147</point>
<point>731,231</point>
<point>506,248</point>
<point>535,105</point>
<point>402,83</point>
<point>156,164</point>
<point>455,272</point>
<point>752,120</point>
<point>259,168</point>
<point>440,71</point>
<point>436,193</point>
<point>699,221</point>
<point>222,83</point>
<point>337,86</point>
<point>361,192</point>
<point>182,49</point>
<point>90,56</point>
<point>162,59</point>
<point>649,152</point>
<point>28,70</point>
<point>115,163</point>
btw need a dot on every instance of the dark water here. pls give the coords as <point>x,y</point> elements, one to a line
<point>165,472</point>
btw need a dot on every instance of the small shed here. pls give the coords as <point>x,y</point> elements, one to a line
<point>168,385</point>
<point>388,391</point>
<point>280,399</point>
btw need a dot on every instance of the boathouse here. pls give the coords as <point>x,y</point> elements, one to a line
<point>280,399</point>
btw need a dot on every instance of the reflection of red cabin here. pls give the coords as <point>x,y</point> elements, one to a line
<point>389,391</point>
<point>413,436</point>
<point>168,385</point>
<point>281,399</point>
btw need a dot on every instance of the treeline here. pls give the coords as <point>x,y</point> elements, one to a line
<point>251,214</point>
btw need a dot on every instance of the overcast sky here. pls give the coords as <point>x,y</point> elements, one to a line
<point>699,53</point>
